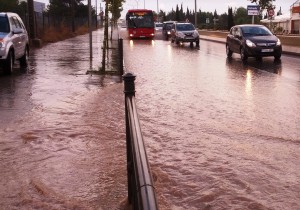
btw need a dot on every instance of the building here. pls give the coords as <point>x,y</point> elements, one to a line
<point>295,17</point>
<point>287,23</point>
<point>39,7</point>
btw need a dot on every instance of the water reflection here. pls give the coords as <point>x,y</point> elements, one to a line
<point>248,83</point>
<point>267,64</point>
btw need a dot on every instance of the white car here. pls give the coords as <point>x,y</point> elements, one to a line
<point>14,44</point>
<point>158,26</point>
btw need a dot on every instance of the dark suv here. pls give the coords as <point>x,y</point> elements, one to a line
<point>14,44</point>
<point>166,29</point>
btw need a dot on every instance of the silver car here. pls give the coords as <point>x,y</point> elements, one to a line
<point>184,32</point>
<point>14,44</point>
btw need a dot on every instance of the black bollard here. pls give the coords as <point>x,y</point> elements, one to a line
<point>121,56</point>
<point>129,87</point>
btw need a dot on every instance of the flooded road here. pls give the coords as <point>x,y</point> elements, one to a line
<point>62,143</point>
<point>220,134</point>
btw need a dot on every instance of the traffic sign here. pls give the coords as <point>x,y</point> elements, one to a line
<point>271,12</point>
<point>253,9</point>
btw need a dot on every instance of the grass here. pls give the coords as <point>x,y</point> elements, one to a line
<point>285,40</point>
<point>55,34</point>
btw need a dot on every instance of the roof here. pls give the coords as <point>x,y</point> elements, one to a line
<point>278,19</point>
<point>139,10</point>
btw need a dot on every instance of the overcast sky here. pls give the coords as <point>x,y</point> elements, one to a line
<point>205,5</point>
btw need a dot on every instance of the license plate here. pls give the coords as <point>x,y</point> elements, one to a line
<point>267,50</point>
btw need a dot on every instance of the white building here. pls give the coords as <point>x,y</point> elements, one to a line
<point>287,23</point>
<point>295,17</point>
<point>39,6</point>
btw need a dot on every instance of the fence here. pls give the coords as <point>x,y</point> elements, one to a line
<point>141,192</point>
<point>44,21</point>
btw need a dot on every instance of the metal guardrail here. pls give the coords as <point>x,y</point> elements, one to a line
<point>141,191</point>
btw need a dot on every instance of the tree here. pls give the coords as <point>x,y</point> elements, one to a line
<point>279,12</point>
<point>264,4</point>
<point>223,22</point>
<point>15,6</point>
<point>230,19</point>
<point>241,16</point>
<point>162,15</point>
<point>177,15</point>
<point>9,5</point>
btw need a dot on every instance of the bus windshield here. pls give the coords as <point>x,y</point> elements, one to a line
<point>140,19</point>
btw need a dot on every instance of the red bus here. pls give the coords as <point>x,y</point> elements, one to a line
<point>140,23</point>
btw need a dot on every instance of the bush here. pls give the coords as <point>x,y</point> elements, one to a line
<point>55,34</point>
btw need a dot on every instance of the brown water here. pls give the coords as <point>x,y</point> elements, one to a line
<point>219,134</point>
<point>62,143</point>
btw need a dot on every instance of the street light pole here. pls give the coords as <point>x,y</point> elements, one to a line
<point>90,30</point>
<point>157,7</point>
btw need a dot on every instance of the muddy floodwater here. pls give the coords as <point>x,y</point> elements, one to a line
<point>62,141</point>
<point>220,134</point>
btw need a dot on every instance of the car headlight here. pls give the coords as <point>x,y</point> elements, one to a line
<point>196,34</point>
<point>1,43</point>
<point>168,32</point>
<point>249,43</point>
<point>278,43</point>
<point>180,34</point>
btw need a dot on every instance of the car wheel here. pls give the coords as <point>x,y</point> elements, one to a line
<point>228,51</point>
<point>8,64</point>
<point>244,55</point>
<point>177,42</point>
<point>277,57</point>
<point>24,58</point>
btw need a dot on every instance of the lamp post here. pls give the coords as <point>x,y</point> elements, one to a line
<point>137,4</point>
<point>157,7</point>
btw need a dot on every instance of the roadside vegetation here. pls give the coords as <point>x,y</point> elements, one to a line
<point>55,34</point>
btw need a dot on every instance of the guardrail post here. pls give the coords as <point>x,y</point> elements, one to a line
<point>121,56</point>
<point>129,90</point>
<point>129,87</point>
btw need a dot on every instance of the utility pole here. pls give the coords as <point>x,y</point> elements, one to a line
<point>32,33</point>
<point>96,14</point>
<point>90,29</point>
<point>32,30</point>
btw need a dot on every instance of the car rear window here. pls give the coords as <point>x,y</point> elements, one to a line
<point>4,26</point>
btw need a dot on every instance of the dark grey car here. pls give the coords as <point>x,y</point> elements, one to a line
<point>166,29</point>
<point>252,41</point>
